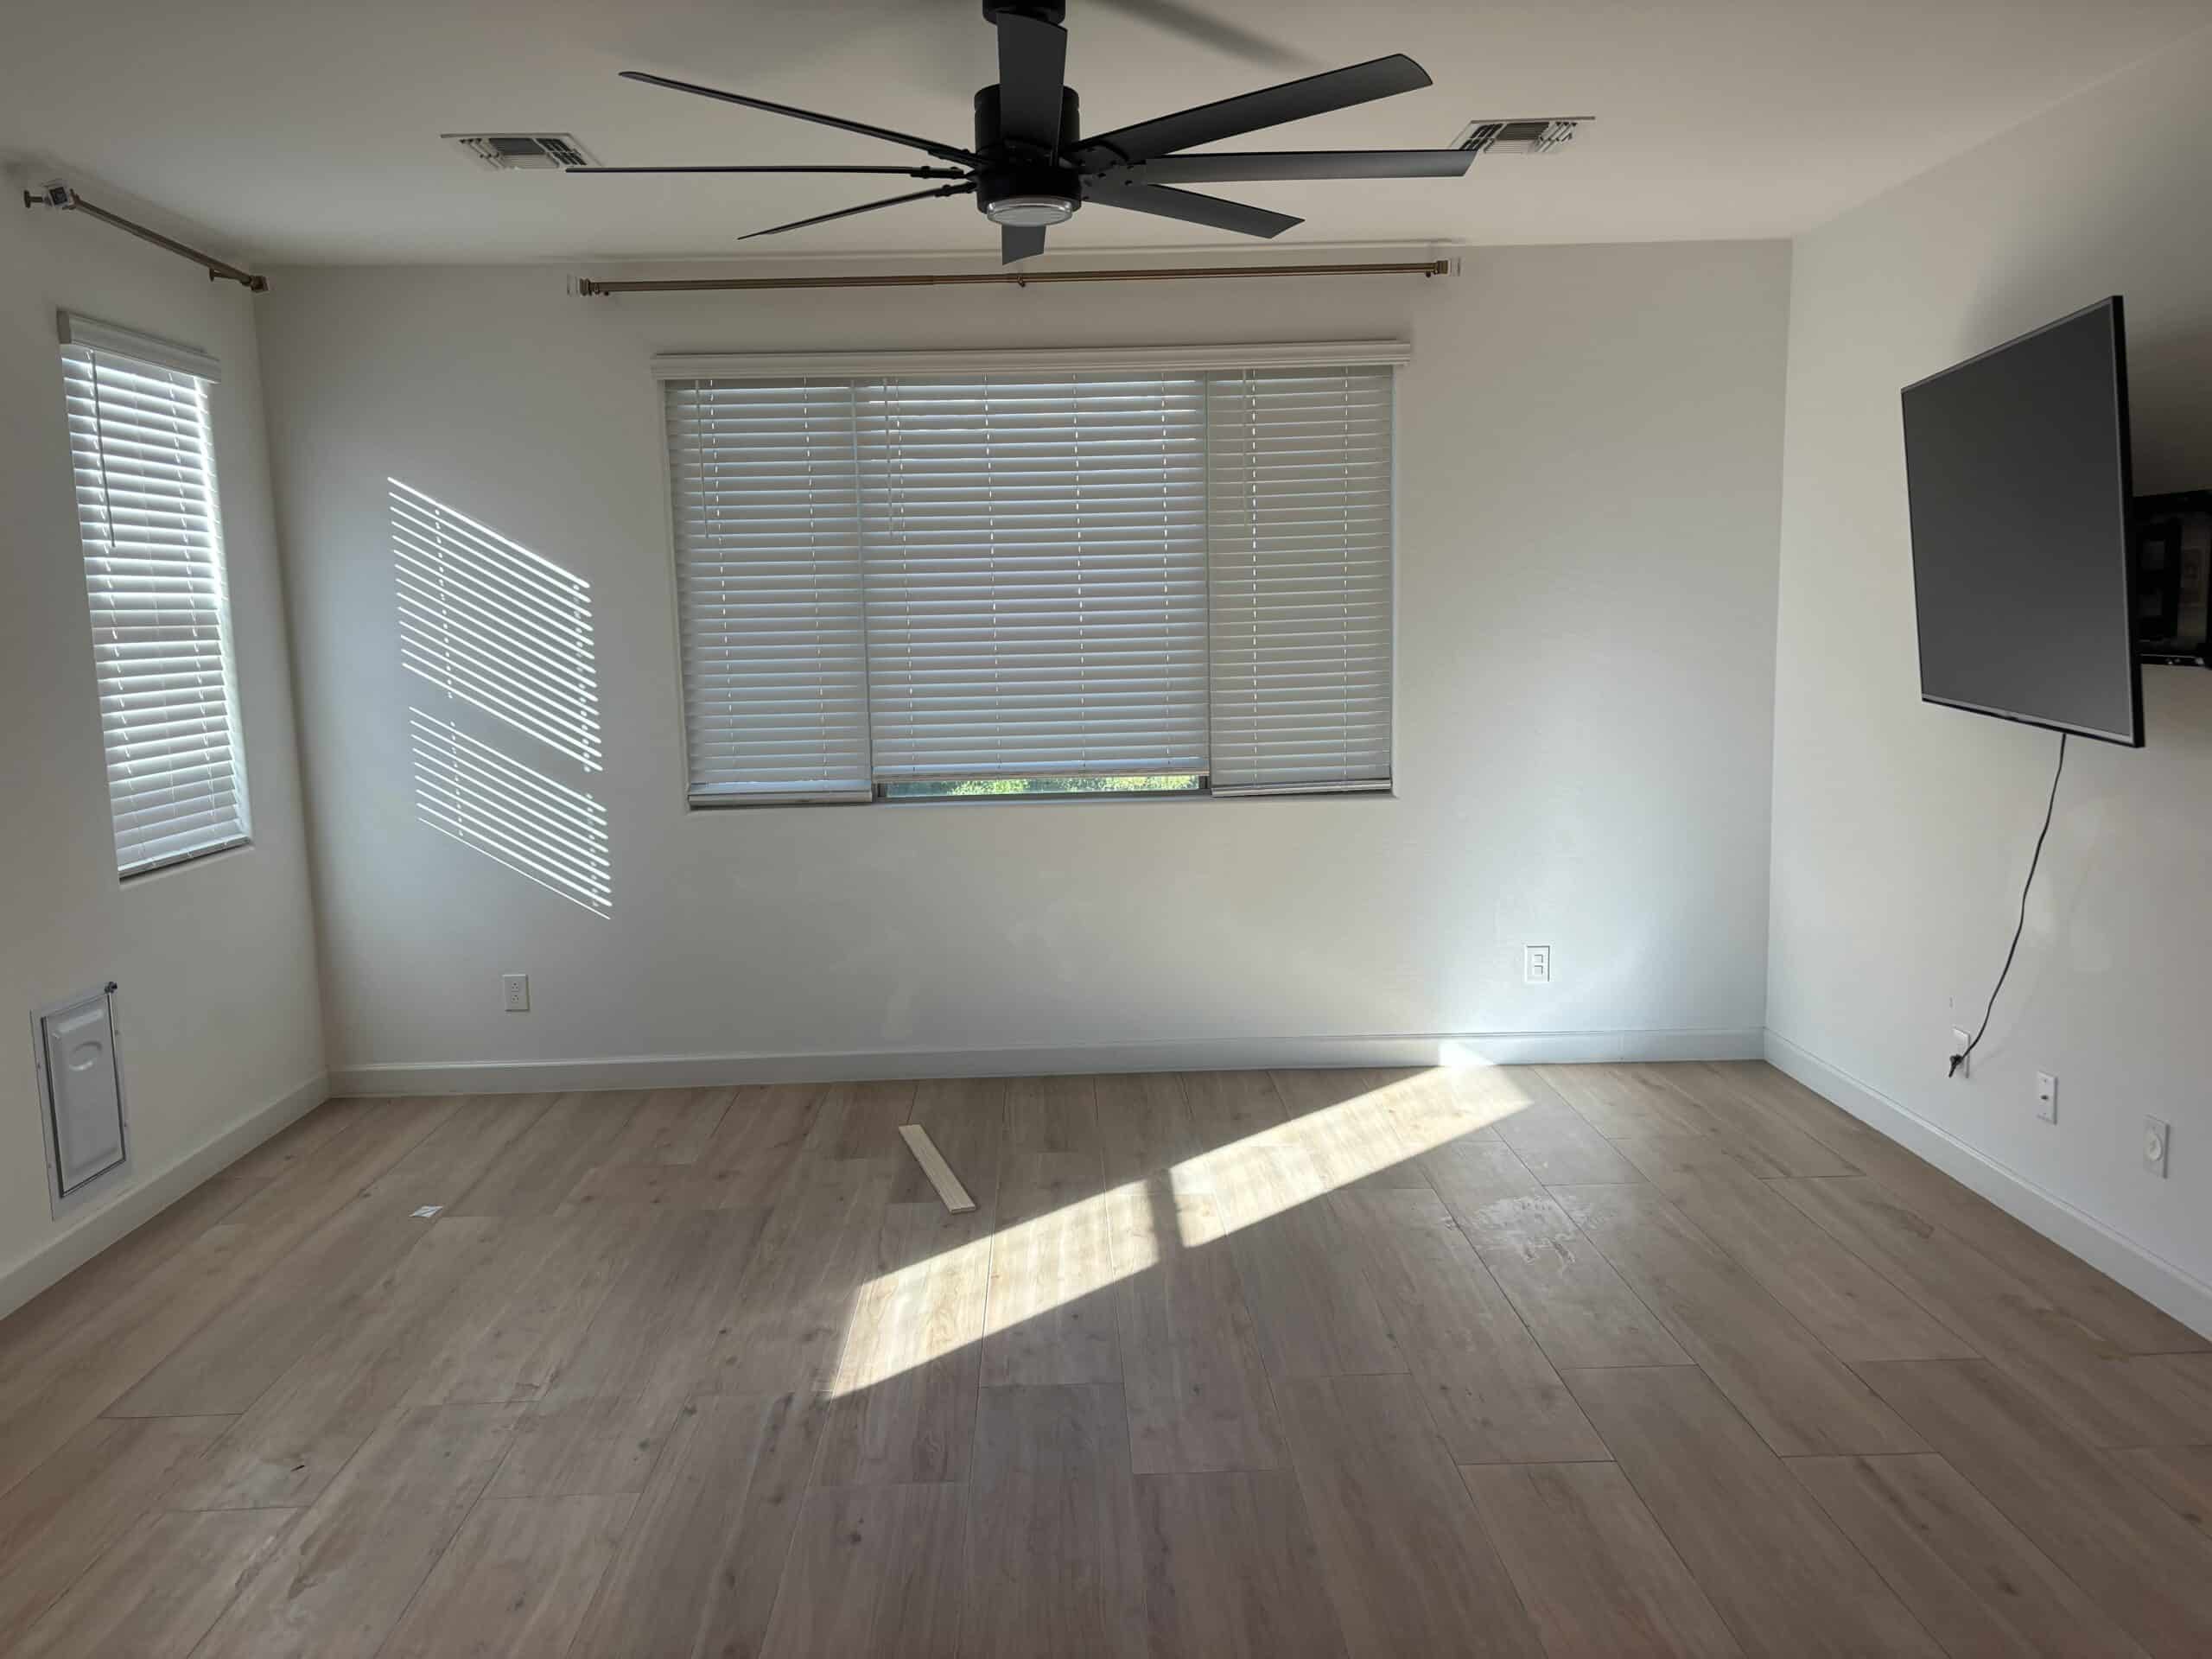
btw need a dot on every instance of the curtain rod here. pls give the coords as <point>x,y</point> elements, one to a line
<point>591,288</point>
<point>58,194</point>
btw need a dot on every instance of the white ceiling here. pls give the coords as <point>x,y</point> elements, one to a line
<point>308,130</point>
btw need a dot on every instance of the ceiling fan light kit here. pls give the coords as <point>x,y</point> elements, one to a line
<point>1032,167</point>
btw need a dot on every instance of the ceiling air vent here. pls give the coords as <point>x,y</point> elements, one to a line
<point>512,152</point>
<point>1521,135</point>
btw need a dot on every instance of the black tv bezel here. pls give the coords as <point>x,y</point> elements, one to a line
<point>2113,305</point>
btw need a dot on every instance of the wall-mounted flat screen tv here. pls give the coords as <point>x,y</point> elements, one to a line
<point>2018,470</point>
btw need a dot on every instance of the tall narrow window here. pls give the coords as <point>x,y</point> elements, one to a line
<point>153,541</point>
<point>968,575</point>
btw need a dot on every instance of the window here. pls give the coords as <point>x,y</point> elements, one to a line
<point>1012,574</point>
<point>153,539</point>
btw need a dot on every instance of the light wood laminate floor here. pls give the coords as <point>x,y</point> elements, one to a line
<point>1563,1361</point>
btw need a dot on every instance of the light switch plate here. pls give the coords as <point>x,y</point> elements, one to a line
<point>2158,1136</point>
<point>2046,1098</point>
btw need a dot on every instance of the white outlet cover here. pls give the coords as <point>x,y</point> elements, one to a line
<point>2157,1137</point>
<point>1536,963</point>
<point>1960,1039</point>
<point>2046,1098</point>
<point>515,987</point>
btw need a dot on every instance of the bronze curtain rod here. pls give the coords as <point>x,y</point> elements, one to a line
<point>589,288</point>
<point>58,194</point>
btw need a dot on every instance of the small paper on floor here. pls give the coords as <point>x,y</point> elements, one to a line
<point>428,1210</point>
<point>933,1165</point>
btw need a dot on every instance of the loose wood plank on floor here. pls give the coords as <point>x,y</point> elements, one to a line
<point>1409,1566</point>
<point>1964,1570</point>
<point>516,1580</point>
<point>1799,1396</point>
<point>341,1576</point>
<point>56,1522</point>
<point>2146,1566</point>
<point>1595,1571</point>
<point>1773,1564</point>
<point>1489,1390</point>
<point>1055,1562</point>
<point>704,1550</point>
<point>1230,1569</point>
<point>157,1592</point>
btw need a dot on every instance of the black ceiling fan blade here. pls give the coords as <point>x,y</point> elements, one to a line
<point>898,172</point>
<point>1194,24</point>
<point>1211,211</point>
<point>865,207</point>
<point>1338,89</point>
<point>1020,242</point>
<point>1032,72</point>
<point>1221,169</point>
<point>943,152</point>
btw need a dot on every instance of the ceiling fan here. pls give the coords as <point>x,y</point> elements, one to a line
<point>1032,166</point>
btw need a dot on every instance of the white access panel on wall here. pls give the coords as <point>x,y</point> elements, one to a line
<point>81,1098</point>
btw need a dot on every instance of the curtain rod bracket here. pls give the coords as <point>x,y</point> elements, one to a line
<point>57,194</point>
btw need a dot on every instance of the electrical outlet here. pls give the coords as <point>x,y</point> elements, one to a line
<point>1536,963</point>
<point>516,987</point>
<point>1960,1039</point>
<point>2046,1098</point>
<point>2157,1136</point>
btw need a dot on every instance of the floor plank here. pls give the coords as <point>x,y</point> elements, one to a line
<point>1496,1202</point>
<point>903,1395</point>
<point>544,1165</point>
<point>672,1126</point>
<point>874,1570</point>
<point>1753,1126</point>
<point>1055,1562</point>
<point>341,1576</point>
<point>1491,1392</point>
<point>1144,1126</point>
<point>1409,1566</point>
<point>1561,1148</point>
<point>786,1327</point>
<point>756,1146</point>
<point>516,1580</point>
<point>860,1120</point>
<point>2107,1396</point>
<point>1055,1260</point>
<point>288,1444</point>
<point>1854,1310</point>
<point>1580,1312</point>
<point>1230,1569</point>
<point>1196,1385</point>
<point>698,1567</point>
<point>611,1402</point>
<point>2145,1565</point>
<point>159,1590</point>
<point>1228,1107</point>
<point>56,1522</point>
<point>1964,1570</point>
<point>1776,1567</point>
<point>1342,1120</point>
<point>1799,1396</point>
<point>2099,1303</point>
<point>1316,1313</point>
<point>2180,1477</point>
<point>1596,1573</point>
<point>1618,1100</point>
<point>1053,1115</point>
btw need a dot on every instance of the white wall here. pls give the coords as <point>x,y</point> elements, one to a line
<point>1590,452</point>
<point>219,1019</point>
<point>1902,831</point>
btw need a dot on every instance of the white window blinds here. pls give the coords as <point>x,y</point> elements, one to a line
<point>766,495</point>
<point>1141,573</point>
<point>1299,509</point>
<point>1035,553</point>
<point>153,544</point>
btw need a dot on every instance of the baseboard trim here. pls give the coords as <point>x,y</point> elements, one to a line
<point>135,1205</point>
<point>703,1070</point>
<point>2164,1284</point>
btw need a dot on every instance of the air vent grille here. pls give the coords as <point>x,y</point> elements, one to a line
<point>1520,135</point>
<point>510,152</point>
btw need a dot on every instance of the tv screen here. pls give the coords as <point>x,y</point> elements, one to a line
<point>2017,464</point>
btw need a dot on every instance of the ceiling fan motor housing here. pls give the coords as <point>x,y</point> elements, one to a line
<point>1018,184</point>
